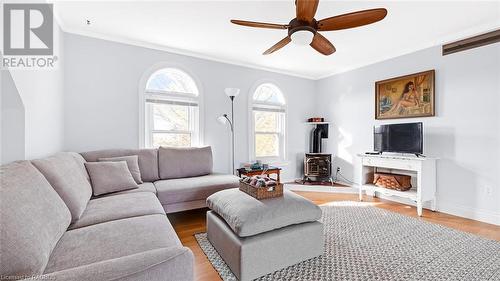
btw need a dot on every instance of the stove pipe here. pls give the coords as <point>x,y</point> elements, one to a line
<point>316,139</point>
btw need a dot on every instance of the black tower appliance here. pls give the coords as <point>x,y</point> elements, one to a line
<point>318,165</point>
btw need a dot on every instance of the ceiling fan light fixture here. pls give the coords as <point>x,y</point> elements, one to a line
<point>302,37</point>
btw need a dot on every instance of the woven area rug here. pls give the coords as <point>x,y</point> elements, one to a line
<point>368,243</point>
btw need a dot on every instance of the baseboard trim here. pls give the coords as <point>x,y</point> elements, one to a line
<point>482,215</point>
<point>321,188</point>
<point>454,209</point>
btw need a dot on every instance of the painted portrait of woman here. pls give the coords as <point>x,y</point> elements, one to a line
<point>406,96</point>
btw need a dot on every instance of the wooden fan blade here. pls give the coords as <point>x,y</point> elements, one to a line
<point>351,20</point>
<point>322,45</point>
<point>260,24</point>
<point>306,9</point>
<point>278,45</point>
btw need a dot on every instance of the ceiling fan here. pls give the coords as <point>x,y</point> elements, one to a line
<point>304,29</point>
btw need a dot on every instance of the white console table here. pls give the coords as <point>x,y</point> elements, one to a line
<point>422,170</point>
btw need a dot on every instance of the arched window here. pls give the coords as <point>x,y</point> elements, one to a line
<point>268,123</point>
<point>171,109</point>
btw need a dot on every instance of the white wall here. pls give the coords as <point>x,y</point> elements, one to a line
<point>464,134</point>
<point>12,121</point>
<point>41,92</point>
<point>101,99</point>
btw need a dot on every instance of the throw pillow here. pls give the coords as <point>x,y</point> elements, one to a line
<point>107,177</point>
<point>132,163</point>
<point>177,163</point>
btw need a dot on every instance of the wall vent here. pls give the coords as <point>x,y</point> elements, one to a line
<point>472,42</point>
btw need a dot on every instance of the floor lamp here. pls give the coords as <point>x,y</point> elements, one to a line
<point>224,119</point>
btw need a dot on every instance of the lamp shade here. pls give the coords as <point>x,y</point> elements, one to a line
<point>222,119</point>
<point>232,92</point>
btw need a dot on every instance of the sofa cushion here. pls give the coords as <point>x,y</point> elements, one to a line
<point>148,187</point>
<point>132,163</point>
<point>184,162</point>
<point>117,207</point>
<point>148,160</point>
<point>32,219</point>
<point>195,188</point>
<point>66,176</point>
<point>81,163</point>
<point>112,240</point>
<point>248,216</point>
<point>154,265</point>
<point>108,177</point>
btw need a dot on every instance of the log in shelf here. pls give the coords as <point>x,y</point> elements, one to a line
<point>422,170</point>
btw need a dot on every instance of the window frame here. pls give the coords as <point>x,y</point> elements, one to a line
<point>193,114</point>
<point>146,130</point>
<point>254,106</point>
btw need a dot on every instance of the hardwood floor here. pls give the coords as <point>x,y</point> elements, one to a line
<point>186,224</point>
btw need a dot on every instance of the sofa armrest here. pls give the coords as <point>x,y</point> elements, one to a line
<point>159,264</point>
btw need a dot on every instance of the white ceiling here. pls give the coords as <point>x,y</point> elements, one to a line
<point>202,29</point>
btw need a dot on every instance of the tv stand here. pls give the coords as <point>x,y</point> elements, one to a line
<point>422,170</point>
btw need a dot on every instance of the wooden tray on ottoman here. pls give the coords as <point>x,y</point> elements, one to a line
<point>262,192</point>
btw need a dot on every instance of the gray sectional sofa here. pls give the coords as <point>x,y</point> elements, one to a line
<point>53,228</point>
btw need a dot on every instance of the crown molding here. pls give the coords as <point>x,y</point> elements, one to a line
<point>446,39</point>
<point>176,51</point>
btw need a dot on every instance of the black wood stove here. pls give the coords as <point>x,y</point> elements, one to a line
<point>318,165</point>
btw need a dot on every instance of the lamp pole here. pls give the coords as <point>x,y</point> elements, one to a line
<point>223,119</point>
<point>226,119</point>
<point>232,133</point>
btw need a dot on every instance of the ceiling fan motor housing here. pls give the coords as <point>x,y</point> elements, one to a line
<point>296,25</point>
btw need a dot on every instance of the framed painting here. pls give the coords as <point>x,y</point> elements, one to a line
<point>405,96</point>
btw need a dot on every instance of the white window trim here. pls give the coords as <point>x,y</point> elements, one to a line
<point>283,160</point>
<point>193,125</point>
<point>164,95</point>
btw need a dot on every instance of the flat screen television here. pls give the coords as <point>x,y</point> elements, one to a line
<point>401,138</point>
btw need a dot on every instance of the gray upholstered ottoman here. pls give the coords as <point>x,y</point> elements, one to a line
<point>259,237</point>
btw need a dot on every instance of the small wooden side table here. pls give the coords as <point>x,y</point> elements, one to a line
<point>255,172</point>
